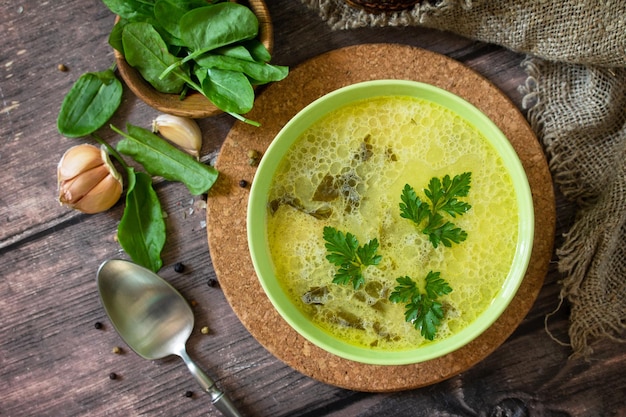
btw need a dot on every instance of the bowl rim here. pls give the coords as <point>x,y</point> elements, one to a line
<point>257,204</point>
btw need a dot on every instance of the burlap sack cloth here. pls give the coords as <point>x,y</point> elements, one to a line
<point>576,95</point>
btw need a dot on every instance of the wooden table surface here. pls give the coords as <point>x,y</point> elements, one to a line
<point>55,362</point>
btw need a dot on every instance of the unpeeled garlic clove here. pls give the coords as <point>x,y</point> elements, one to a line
<point>87,180</point>
<point>182,131</point>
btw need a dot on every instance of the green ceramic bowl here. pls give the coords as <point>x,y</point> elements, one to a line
<point>258,212</point>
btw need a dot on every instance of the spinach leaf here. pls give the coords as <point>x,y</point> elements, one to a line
<point>206,28</point>
<point>160,158</point>
<point>229,90</point>
<point>234,51</point>
<point>146,51</point>
<point>258,51</point>
<point>260,73</point>
<point>249,50</point>
<point>169,12</point>
<point>135,10</point>
<point>91,101</point>
<point>115,37</point>
<point>141,231</point>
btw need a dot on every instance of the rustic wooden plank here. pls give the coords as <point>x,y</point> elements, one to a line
<point>52,354</point>
<point>36,37</point>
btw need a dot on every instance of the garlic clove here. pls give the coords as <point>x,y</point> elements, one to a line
<point>182,131</point>
<point>78,159</point>
<point>87,180</point>
<point>76,188</point>
<point>101,197</point>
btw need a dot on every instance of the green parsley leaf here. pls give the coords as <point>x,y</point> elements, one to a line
<point>349,273</point>
<point>443,198</point>
<point>422,310</point>
<point>426,315</point>
<point>341,247</point>
<point>345,252</point>
<point>439,231</point>
<point>367,253</point>
<point>412,207</point>
<point>436,286</point>
<point>404,292</point>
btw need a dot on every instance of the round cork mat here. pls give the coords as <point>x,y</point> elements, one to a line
<point>227,204</point>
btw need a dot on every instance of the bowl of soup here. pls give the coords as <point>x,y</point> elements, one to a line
<point>390,222</point>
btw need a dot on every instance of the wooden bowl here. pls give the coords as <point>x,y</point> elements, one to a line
<point>194,105</point>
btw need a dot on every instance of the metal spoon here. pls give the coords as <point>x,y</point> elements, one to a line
<point>153,319</point>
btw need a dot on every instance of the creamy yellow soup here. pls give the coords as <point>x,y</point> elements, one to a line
<point>348,171</point>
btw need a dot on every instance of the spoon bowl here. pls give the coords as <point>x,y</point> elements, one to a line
<point>153,318</point>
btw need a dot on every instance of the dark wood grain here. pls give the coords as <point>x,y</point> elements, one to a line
<point>54,362</point>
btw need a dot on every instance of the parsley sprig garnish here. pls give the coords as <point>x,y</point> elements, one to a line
<point>443,196</point>
<point>345,252</point>
<point>422,309</point>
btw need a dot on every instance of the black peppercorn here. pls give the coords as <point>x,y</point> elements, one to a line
<point>212,282</point>
<point>179,267</point>
<point>97,325</point>
<point>112,375</point>
<point>243,183</point>
<point>188,394</point>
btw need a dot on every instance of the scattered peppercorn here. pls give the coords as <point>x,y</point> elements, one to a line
<point>205,330</point>
<point>179,267</point>
<point>62,68</point>
<point>253,157</point>
<point>188,394</point>
<point>112,375</point>
<point>117,350</point>
<point>243,183</point>
<point>212,282</point>
<point>97,325</point>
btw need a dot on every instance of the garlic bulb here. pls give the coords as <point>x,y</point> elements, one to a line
<point>182,131</point>
<point>87,180</point>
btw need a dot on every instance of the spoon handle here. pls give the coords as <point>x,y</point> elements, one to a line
<point>218,398</point>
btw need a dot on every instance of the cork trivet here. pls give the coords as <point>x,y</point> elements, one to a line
<point>227,204</point>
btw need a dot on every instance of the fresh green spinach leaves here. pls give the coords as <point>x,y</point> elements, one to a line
<point>258,73</point>
<point>210,27</point>
<point>146,51</point>
<point>160,158</point>
<point>231,91</point>
<point>169,12</point>
<point>131,9</point>
<point>91,101</point>
<point>210,48</point>
<point>141,232</point>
